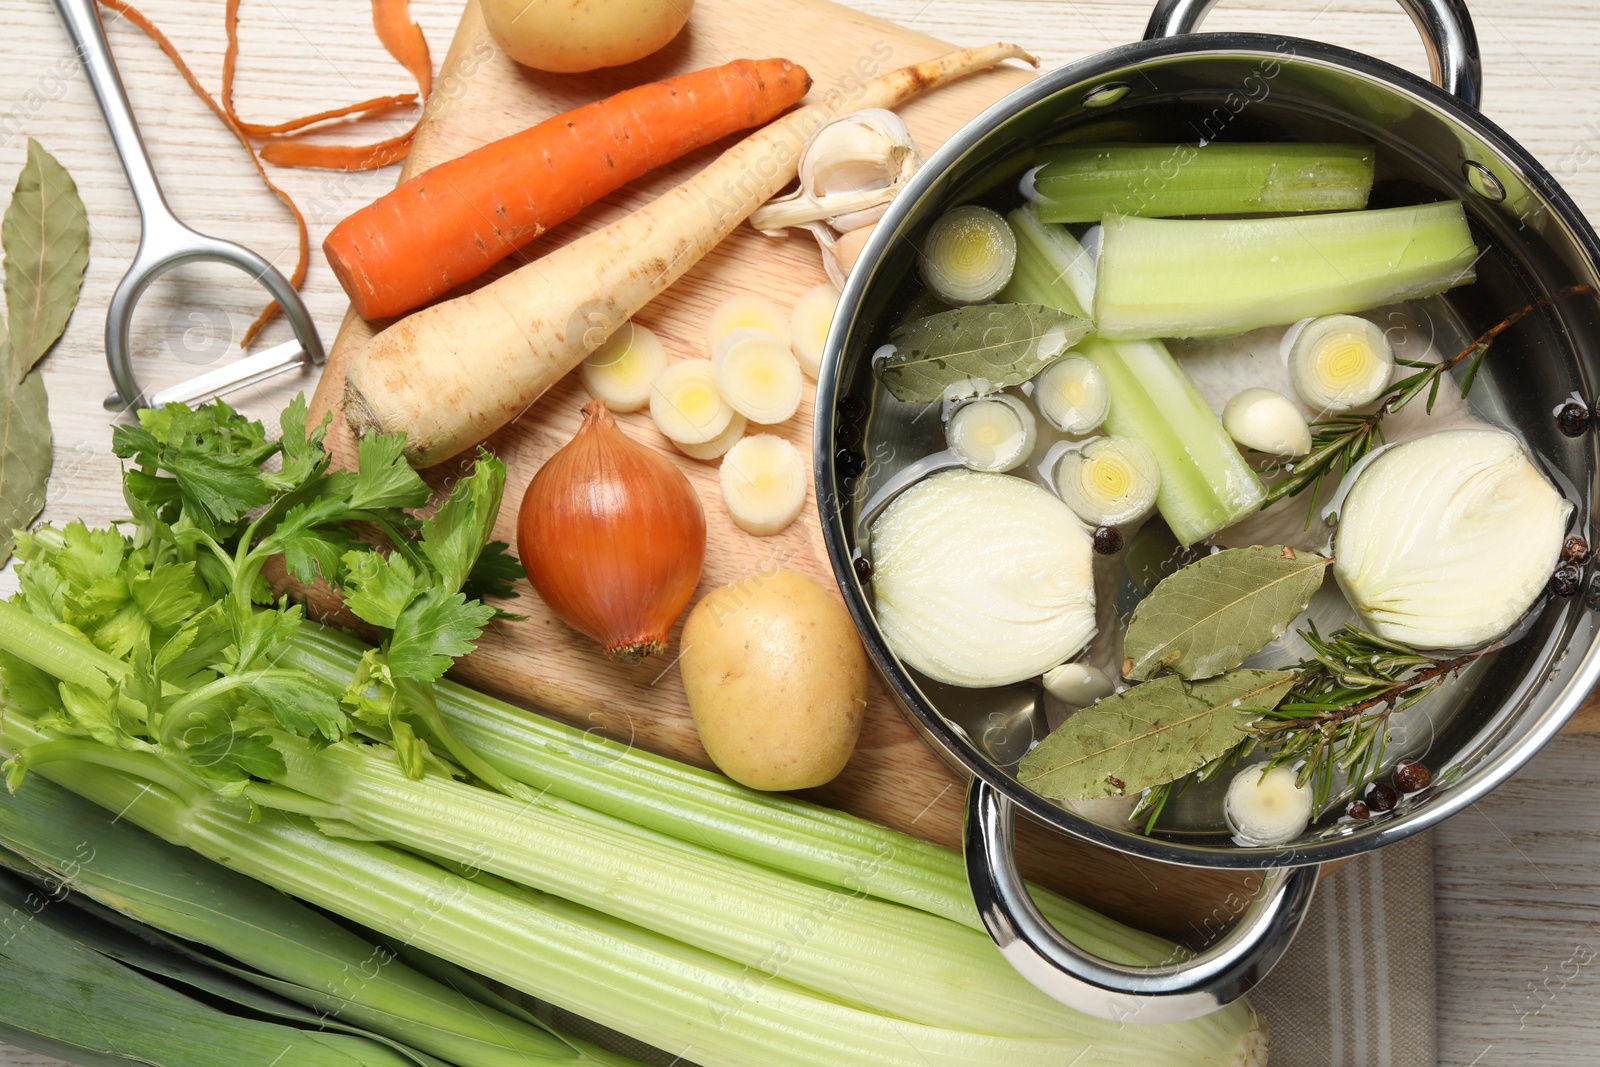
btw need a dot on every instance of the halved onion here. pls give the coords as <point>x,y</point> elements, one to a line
<point>982,579</point>
<point>1072,395</point>
<point>993,433</point>
<point>1109,481</point>
<point>968,255</point>
<point>1340,362</point>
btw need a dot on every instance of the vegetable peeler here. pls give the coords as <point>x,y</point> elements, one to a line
<point>165,242</point>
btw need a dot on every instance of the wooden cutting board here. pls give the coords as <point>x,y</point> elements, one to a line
<point>893,778</point>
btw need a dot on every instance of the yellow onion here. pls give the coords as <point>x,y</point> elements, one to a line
<point>613,538</point>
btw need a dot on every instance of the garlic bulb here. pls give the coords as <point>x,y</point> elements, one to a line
<point>850,168</point>
<point>1444,542</point>
<point>982,579</point>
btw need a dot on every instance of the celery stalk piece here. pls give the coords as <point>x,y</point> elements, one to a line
<point>298,953</point>
<point>1205,482</point>
<point>713,1012</point>
<point>1086,182</point>
<point>742,910</point>
<point>1052,267</point>
<point>775,830</point>
<point>1198,278</point>
<point>59,994</point>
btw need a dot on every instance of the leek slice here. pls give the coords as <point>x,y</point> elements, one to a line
<point>1205,483</point>
<point>1086,182</point>
<point>1198,278</point>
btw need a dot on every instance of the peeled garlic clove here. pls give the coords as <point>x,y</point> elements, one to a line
<point>1446,541</point>
<point>1340,362</point>
<point>1077,684</point>
<point>982,579</point>
<point>1269,809</point>
<point>1265,421</point>
<point>851,166</point>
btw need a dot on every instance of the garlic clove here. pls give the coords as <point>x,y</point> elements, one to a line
<point>1077,684</point>
<point>839,251</point>
<point>1265,421</point>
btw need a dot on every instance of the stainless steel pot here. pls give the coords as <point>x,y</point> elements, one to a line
<point>1432,143</point>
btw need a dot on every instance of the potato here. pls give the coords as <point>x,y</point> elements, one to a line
<point>777,680</point>
<point>569,36</point>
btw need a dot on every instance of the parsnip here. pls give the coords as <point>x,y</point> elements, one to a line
<point>451,374</point>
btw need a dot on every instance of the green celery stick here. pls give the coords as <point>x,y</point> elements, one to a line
<point>1085,183</point>
<point>1200,278</point>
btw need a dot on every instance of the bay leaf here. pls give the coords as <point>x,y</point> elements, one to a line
<point>24,457</point>
<point>978,349</point>
<point>1149,734</point>
<point>45,234</point>
<point>1219,611</point>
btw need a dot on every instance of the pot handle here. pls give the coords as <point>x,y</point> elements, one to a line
<point>1160,993</point>
<point>1445,25</point>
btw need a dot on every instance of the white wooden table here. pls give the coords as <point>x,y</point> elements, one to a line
<point>1518,878</point>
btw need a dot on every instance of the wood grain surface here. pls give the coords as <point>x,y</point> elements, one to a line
<point>300,55</point>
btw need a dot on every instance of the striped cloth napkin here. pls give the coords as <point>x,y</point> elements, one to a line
<point>1356,989</point>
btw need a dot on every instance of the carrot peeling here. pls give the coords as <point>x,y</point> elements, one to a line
<point>454,221</point>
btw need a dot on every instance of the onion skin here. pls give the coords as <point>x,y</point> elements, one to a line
<point>613,538</point>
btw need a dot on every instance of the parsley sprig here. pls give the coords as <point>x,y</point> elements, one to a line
<point>191,633</point>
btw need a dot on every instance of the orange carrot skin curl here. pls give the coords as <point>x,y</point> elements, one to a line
<point>454,221</point>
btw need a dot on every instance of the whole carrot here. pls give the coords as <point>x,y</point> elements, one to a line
<point>454,221</point>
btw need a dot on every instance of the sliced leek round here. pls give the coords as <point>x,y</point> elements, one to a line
<point>743,310</point>
<point>993,433</point>
<point>1340,362</point>
<point>1072,394</point>
<point>689,411</point>
<point>1265,421</point>
<point>760,377</point>
<point>1267,809</point>
<point>1109,481</point>
<point>813,315</point>
<point>621,372</point>
<point>763,484</point>
<point>968,255</point>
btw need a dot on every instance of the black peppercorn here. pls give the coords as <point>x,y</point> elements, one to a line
<point>1573,418</point>
<point>1566,581</point>
<point>1107,540</point>
<point>849,434</point>
<point>849,463</point>
<point>1410,776</point>
<point>1380,797</point>
<point>863,567</point>
<point>1575,550</point>
<point>1357,810</point>
<point>852,409</point>
<point>1591,592</point>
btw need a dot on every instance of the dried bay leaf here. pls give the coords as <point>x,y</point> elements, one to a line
<point>978,349</point>
<point>1215,613</point>
<point>46,239</point>
<point>1150,734</point>
<point>24,458</point>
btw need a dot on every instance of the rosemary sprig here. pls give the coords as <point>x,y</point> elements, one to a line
<point>1337,715</point>
<point>1339,443</point>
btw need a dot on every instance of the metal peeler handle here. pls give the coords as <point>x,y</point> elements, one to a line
<point>164,241</point>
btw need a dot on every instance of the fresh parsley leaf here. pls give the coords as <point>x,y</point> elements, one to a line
<point>493,573</point>
<point>383,478</point>
<point>456,534</point>
<point>311,539</point>
<point>378,588</point>
<point>433,630</point>
<point>303,455</point>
